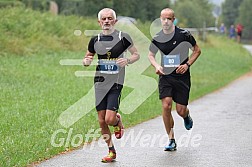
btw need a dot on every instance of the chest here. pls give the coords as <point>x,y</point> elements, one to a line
<point>109,49</point>
<point>169,46</point>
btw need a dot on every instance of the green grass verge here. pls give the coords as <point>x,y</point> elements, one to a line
<point>222,61</point>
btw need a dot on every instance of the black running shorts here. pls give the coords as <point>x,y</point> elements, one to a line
<point>176,87</point>
<point>110,100</point>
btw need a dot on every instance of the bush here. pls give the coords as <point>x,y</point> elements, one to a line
<point>25,31</point>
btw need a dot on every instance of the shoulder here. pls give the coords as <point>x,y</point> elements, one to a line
<point>124,34</point>
<point>94,38</point>
<point>183,32</point>
<point>158,36</point>
<point>185,35</point>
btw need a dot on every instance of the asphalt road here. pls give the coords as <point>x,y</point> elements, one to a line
<point>221,136</point>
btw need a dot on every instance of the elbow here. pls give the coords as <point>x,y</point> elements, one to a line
<point>150,57</point>
<point>137,56</point>
<point>199,51</point>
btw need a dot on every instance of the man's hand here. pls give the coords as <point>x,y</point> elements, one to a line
<point>122,62</point>
<point>182,69</point>
<point>87,60</point>
<point>159,70</point>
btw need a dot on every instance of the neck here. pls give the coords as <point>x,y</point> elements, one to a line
<point>107,32</point>
<point>169,31</point>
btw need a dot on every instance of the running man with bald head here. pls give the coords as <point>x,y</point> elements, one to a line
<point>173,43</point>
<point>110,46</point>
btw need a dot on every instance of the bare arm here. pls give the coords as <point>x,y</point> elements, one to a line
<point>133,58</point>
<point>195,54</point>
<point>134,55</point>
<point>158,67</point>
<point>88,58</point>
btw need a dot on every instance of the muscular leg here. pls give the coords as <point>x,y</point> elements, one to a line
<point>111,118</point>
<point>106,118</point>
<point>167,116</point>
<point>182,110</point>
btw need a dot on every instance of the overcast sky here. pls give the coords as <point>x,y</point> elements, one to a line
<point>218,2</point>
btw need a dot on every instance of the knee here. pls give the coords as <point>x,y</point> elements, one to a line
<point>167,106</point>
<point>182,111</point>
<point>110,121</point>
<point>102,122</point>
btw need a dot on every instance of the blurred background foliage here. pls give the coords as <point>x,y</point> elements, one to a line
<point>22,27</point>
<point>193,13</point>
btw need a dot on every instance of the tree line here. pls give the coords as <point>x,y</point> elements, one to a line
<point>193,13</point>
<point>238,11</point>
<point>189,13</point>
<point>139,9</point>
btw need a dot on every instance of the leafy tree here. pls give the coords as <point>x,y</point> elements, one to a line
<point>126,8</point>
<point>194,13</point>
<point>230,11</point>
<point>147,10</point>
<point>245,15</point>
<point>42,5</point>
<point>154,8</point>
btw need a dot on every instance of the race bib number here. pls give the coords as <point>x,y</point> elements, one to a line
<point>108,66</point>
<point>171,60</point>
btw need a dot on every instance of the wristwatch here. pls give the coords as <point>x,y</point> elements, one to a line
<point>188,64</point>
<point>128,61</point>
